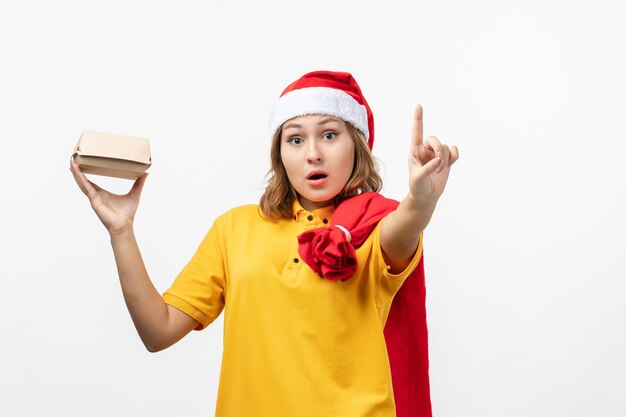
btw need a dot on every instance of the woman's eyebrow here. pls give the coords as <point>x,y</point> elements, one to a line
<point>327,120</point>
<point>321,122</point>
<point>292,126</point>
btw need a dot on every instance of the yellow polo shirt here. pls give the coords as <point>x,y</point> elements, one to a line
<point>295,344</point>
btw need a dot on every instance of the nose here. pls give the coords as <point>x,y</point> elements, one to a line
<point>314,153</point>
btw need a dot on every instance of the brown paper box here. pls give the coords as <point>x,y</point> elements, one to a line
<point>112,155</point>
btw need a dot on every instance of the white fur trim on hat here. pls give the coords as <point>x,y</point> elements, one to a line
<point>319,100</point>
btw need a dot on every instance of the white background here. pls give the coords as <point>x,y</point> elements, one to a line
<point>524,255</point>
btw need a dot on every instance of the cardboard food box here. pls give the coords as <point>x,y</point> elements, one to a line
<point>112,155</point>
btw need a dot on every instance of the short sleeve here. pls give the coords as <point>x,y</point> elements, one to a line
<point>199,289</point>
<point>378,253</point>
<point>389,284</point>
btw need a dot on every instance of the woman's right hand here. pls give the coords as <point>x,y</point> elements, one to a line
<point>116,212</point>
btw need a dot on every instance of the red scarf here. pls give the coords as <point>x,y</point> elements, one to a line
<point>329,252</point>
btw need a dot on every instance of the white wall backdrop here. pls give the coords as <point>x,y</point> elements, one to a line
<point>524,256</point>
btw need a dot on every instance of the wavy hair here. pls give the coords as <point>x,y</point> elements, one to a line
<point>277,200</point>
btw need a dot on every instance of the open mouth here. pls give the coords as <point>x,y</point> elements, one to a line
<point>317,177</point>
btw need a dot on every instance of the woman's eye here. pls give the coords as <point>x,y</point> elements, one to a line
<point>329,135</point>
<point>295,140</point>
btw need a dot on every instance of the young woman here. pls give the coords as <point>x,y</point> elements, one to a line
<point>306,278</point>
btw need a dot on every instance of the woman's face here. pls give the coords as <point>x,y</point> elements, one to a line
<point>318,154</point>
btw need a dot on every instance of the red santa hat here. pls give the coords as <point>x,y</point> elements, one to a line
<point>325,92</point>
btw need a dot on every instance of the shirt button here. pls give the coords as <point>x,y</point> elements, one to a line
<point>296,260</point>
<point>309,217</point>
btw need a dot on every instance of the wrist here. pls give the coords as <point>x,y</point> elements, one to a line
<point>123,234</point>
<point>419,203</point>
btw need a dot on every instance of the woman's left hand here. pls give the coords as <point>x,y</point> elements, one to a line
<point>429,163</point>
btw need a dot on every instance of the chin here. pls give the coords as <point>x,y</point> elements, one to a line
<point>320,201</point>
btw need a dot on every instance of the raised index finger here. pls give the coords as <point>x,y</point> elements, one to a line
<point>418,129</point>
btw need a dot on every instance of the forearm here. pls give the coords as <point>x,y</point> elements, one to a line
<point>401,231</point>
<point>145,305</point>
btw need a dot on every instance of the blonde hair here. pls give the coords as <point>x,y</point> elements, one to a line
<point>277,200</point>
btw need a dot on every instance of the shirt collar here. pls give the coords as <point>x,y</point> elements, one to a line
<point>321,215</point>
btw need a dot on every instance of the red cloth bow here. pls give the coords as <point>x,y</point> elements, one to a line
<point>329,252</point>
